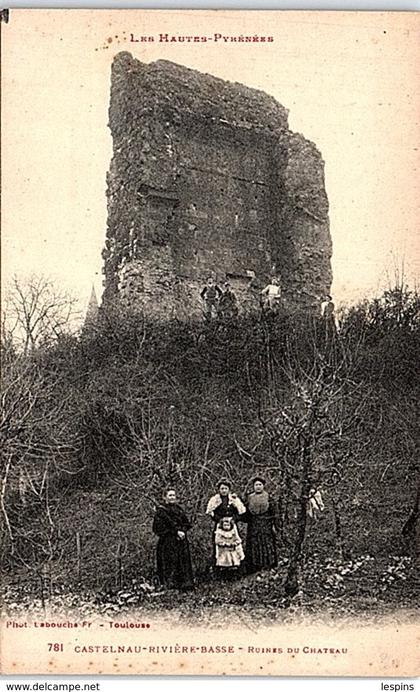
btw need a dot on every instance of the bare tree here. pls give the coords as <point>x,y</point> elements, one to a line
<point>36,312</point>
<point>411,528</point>
<point>39,442</point>
<point>312,424</point>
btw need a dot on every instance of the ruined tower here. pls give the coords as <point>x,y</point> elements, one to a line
<point>207,179</point>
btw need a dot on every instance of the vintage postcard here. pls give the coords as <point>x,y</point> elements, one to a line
<point>210,342</point>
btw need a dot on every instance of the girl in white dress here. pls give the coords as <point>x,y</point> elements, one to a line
<point>229,550</point>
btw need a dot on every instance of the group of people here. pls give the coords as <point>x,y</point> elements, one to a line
<point>230,558</point>
<point>218,303</point>
<point>223,303</point>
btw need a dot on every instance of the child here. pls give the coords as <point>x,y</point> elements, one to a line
<point>229,551</point>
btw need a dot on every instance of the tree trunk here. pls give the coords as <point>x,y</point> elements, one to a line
<point>79,557</point>
<point>411,529</point>
<point>291,586</point>
<point>338,531</point>
<point>3,504</point>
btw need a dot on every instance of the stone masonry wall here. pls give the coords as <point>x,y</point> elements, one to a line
<point>207,180</point>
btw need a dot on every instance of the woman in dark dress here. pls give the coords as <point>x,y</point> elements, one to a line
<point>261,517</point>
<point>172,552</point>
<point>223,504</point>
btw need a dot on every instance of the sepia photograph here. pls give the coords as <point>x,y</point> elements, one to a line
<point>210,341</point>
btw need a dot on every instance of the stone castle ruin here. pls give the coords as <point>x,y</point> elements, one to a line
<point>206,180</point>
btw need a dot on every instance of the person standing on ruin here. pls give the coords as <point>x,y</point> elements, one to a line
<point>210,295</point>
<point>328,316</point>
<point>228,305</point>
<point>272,294</point>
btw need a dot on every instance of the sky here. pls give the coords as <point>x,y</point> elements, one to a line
<point>349,79</point>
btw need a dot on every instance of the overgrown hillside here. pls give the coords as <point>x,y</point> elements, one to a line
<point>95,427</point>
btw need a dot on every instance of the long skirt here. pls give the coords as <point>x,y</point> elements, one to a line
<point>260,550</point>
<point>174,566</point>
